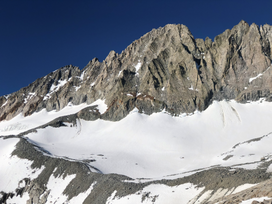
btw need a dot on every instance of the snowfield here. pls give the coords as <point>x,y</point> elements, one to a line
<point>13,169</point>
<point>155,146</point>
<point>21,124</point>
<point>160,193</point>
<point>255,199</point>
<point>146,147</point>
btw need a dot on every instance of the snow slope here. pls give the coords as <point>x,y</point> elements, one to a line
<point>144,148</point>
<point>255,199</point>
<point>155,146</point>
<point>21,124</point>
<point>10,174</point>
<point>160,194</point>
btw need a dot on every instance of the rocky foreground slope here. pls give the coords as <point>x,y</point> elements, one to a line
<point>213,185</point>
<point>166,70</point>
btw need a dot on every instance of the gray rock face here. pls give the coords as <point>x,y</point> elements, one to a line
<point>165,69</point>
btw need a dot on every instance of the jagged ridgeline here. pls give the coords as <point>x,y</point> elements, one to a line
<point>165,69</point>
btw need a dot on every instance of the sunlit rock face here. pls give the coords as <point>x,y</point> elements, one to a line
<point>165,69</point>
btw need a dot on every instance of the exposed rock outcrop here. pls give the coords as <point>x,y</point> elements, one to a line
<point>165,69</point>
<point>104,185</point>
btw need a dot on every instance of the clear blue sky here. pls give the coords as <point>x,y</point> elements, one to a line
<point>40,36</point>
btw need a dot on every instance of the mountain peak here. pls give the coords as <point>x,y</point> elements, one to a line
<point>181,132</point>
<point>171,69</point>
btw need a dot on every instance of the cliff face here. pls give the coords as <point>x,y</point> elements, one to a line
<point>165,69</point>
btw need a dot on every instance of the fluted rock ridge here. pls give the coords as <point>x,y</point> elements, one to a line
<point>165,69</point>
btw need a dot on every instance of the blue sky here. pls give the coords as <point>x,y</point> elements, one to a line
<point>38,37</point>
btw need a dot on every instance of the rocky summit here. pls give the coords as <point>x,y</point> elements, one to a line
<point>165,71</point>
